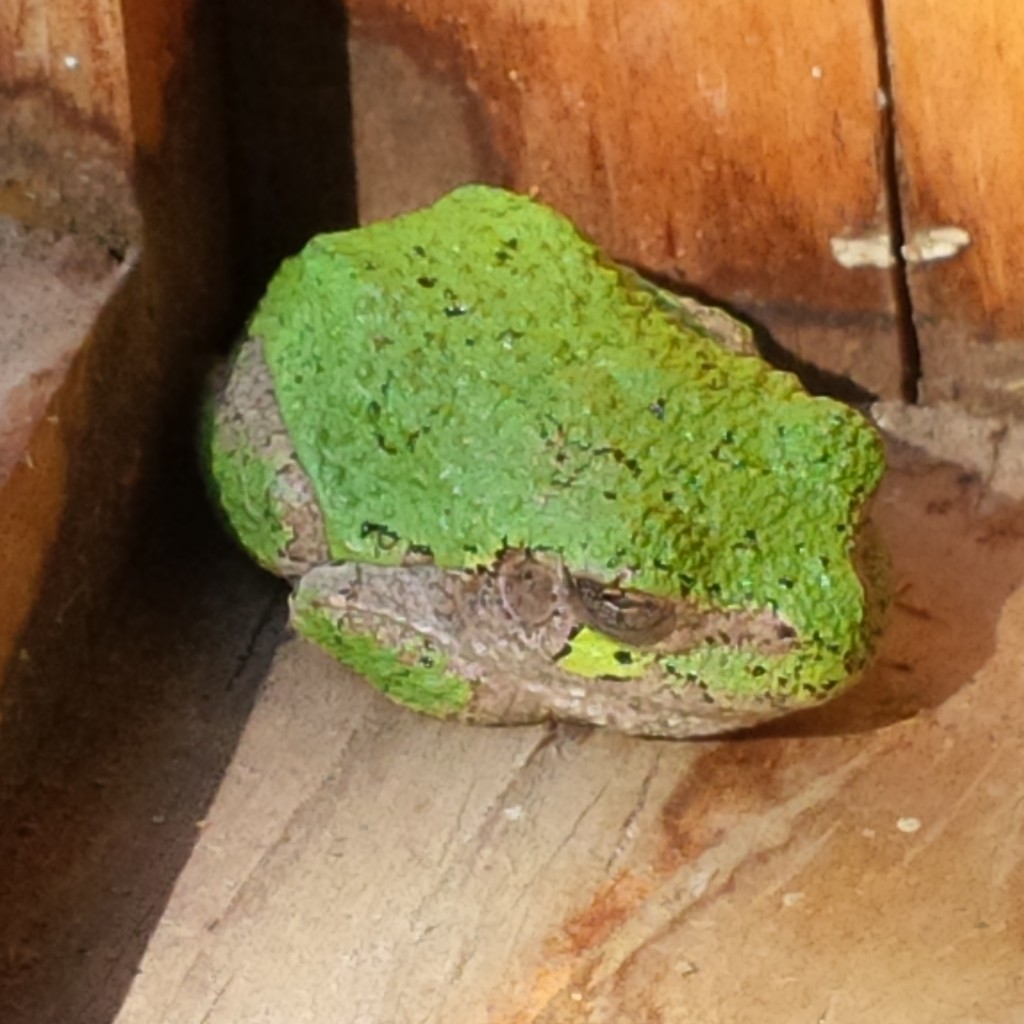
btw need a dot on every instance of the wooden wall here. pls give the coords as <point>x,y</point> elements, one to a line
<point>958,78</point>
<point>723,148</point>
<point>65,117</point>
<point>738,150</point>
<point>744,150</point>
<point>111,158</point>
<point>73,52</point>
<point>770,154</point>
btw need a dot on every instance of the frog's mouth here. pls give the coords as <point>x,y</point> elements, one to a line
<point>534,590</point>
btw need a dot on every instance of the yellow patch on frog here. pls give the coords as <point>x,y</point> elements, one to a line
<point>592,654</point>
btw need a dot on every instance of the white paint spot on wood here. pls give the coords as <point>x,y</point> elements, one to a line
<point>870,250</point>
<point>935,243</point>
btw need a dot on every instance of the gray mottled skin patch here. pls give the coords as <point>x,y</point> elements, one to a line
<point>503,631</point>
<point>247,415</point>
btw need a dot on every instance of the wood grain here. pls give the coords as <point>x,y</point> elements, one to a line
<point>721,147</point>
<point>958,74</point>
<point>958,109</point>
<point>109,363</point>
<point>74,51</point>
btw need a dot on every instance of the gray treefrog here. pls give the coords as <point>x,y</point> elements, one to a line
<point>513,481</point>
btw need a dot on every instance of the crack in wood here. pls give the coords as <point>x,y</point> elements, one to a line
<point>906,329</point>
<point>626,833</point>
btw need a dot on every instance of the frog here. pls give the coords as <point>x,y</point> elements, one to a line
<point>512,481</point>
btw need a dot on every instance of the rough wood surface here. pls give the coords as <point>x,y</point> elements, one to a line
<point>403,871</point>
<point>958,72</point>
<point>74,52</point>
<point>721,147</point>
<point>65,118</point>
<point>957,108</point>
<point>53,291</point>
<point>120,270</point>
<point>358,863</point>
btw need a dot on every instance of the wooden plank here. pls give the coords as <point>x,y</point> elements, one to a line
<point>958,76</point>
<point>721,147</point>
<point>364,864</point>
<point>73,51</point>
<point>66,121</point>
<point>121,273</point>
<point>52,296</point>
<point>24,52</point>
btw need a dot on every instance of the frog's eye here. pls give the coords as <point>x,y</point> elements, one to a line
<point>629,616</point>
